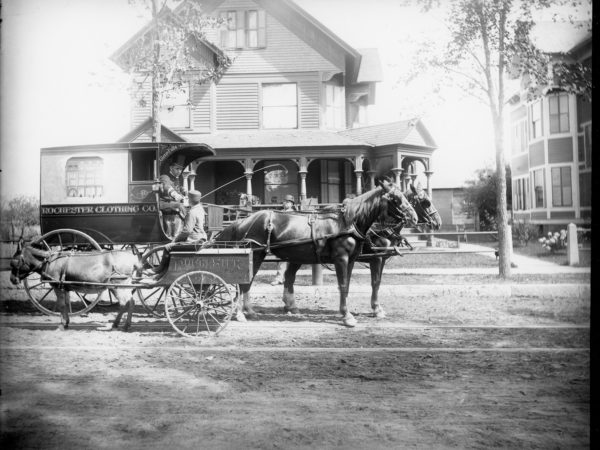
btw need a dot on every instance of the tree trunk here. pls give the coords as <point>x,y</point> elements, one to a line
<point>504,240</point>
<point>156,128</point>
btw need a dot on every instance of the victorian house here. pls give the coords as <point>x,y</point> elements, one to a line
<point>290,115</point>
<point>551,141</point>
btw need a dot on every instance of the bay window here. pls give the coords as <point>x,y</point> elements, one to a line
<point>538,188</point>
<point>558,106</point>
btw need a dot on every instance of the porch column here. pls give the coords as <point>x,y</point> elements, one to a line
<point>428,174</point>
<point>184,187</point>
<point>398,174</point>
<point>371,174</point>
<point>191,178</point>
<point>405,183</point>
<point>358,174</point>
<point>303,174</point>
<point>248,174</point>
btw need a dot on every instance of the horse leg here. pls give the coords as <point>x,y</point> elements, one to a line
<point>376,266</point>
<point>244,308</point>
<point>342,270</point>
<point>289,277</point>
<point>129,303</point>
<point>63,302</point>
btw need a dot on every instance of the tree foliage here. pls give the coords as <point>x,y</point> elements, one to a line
<point>169,52</point>
<point>488,41</point>
<point>480,198</point>
<point>19,216</point>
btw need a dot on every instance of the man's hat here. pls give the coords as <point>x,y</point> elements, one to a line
<point>180,161</point>
<point>289,198</point>
<point>195,196</point>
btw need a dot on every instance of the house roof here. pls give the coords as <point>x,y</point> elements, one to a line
<point>118,55</point>
<point>407,132</point>
<point>559,37</point>
<point>253,139</point>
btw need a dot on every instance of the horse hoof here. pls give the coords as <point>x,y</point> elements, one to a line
<point>293,310</point>
<point>350,322</point>
<point>380,314</point>
<point>251,315</point>
<point>240,317</point>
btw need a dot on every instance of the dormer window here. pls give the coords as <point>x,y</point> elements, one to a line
<point>243,29</point>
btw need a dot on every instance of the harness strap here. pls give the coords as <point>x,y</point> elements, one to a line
<point>318,248</point>
<point>269,231</point>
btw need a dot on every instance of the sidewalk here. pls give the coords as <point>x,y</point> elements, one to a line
<point>524,265</point>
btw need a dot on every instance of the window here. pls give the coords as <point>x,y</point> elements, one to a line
<point>521,194</point>
<point>558,106</point>
<point>536,120</point>
<point>585,153</point>
<point>85,177</point>
<point>334,106</point>
<point>585,189</point>
<point>335,174</point>
<point>280,105</point>
<point>143,165</point>
<point>519,138</point>
<point>538,188</point>
<point>243,29</point>
<point>280,182</point>
<point>561,186</point>
<point>175,108</point>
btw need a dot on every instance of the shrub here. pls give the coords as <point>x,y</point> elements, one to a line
<point>554,241</point>
<point>524,231</point>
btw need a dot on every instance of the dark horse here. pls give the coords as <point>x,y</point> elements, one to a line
<point>86,272</point>
<point>335,237</point>
<point>389,236</point>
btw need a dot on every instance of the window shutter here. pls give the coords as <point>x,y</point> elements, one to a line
<point>240,32</point>
<point>262,28</point>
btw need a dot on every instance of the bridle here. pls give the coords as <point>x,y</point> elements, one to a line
<point>425,213</point>
<point>397,210</point>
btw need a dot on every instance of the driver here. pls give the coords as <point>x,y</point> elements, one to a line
<point>172,195</point>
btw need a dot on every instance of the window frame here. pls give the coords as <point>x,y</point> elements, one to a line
<point>337,106</point>
<point>542,186</point>
<point>236,35</point>
<point>83,173</point>
<point>536,122</point>
<point>563,188</point>
<point>269,107</point>
<point>555,118</point>
<point>187,86</point>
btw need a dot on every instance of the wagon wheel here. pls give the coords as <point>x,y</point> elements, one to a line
<point>199,304</point>
<point>41,293</point>
<point>153,297</point>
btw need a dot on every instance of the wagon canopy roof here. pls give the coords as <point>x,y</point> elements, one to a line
<point>166,150</point>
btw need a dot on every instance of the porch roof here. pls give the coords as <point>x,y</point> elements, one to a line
<point>277,139</point>
<point>405,132</point>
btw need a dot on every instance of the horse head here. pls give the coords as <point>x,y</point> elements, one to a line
<point>26,260</point>
<point>420,201</point>
<point>399,209</point>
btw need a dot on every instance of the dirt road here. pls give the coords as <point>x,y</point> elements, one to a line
<point>439,372</point>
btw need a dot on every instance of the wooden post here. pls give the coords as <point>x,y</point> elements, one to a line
<point>572,245</point>
<point>317,275</point>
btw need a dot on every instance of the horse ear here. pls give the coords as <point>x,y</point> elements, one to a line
<point>413,188</point>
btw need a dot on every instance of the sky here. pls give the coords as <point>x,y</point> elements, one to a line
<point>58,86</point>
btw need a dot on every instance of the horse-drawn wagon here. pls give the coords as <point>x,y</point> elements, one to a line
<point>196,286</point>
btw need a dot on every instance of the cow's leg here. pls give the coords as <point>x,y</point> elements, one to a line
<point>289,277</point>
<point>376,266</point>
<point>63,304</point>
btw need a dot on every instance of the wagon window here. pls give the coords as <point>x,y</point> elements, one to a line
<point>85,177</point>
<point>143,165</point>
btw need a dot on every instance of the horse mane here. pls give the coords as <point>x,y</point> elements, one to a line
<point>363,207</point>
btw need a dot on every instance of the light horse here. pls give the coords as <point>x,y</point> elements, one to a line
<point>388,235</point>
<point>335,237</point>
<point>72,271</point>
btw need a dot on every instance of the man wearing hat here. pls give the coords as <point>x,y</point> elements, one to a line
<point>288,205</point>
<point>171,195</point>
<point>193,224</point>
